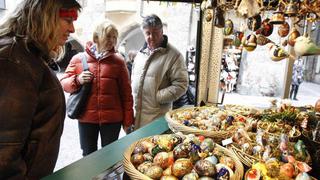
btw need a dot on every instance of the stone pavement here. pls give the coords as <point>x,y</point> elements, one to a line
<point>70,147</point>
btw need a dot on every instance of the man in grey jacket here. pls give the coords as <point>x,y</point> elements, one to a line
<point>159,74</point>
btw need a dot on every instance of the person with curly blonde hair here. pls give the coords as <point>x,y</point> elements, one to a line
<point>32,103</point>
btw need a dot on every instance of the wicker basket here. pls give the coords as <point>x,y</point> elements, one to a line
<point>135,174</point>
<point>245,158</point>
<point>175,126</point>
<point>294,138</point>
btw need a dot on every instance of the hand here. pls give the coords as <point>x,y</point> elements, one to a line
<point>85,77</point>
<point>128,129</point>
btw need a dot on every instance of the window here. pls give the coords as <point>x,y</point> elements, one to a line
<point>2,4</point>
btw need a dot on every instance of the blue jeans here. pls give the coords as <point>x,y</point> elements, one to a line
<point>88,134</point>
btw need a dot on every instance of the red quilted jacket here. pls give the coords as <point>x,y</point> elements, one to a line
<point>110,100</point>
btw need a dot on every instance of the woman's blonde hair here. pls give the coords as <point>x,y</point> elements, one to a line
<point>38,20</point>
<point>103,29</point>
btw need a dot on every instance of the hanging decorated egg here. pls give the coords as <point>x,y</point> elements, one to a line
<point>304,46</point>
<point>237,38</point>
<point>277,18</point>
<point>249,42</point>
<point>262,40</point>
<point>276,52</point>
<point>208,15</point>
<point>284,29</point>
<point>228,27</point>
<point>254,22</point>
<point>266,28</point>
<point>293,36</point>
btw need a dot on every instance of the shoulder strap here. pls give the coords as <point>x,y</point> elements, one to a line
<point>84,62</point>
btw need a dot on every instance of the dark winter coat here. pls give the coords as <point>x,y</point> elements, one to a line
<point>32,111</point>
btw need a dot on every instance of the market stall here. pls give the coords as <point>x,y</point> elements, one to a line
<point>231,142</point>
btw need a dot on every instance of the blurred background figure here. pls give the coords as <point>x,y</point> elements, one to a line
<point>297,78</point>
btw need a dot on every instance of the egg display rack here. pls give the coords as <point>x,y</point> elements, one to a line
<point>176,126</point>
<point>137,175</point>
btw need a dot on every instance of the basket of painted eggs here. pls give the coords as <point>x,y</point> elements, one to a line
<point>260,146</point>
<point>276,170</point>
<point>173,156</point>
<point>210,122</point>
<point>277,128</point>
<point>244,110</point>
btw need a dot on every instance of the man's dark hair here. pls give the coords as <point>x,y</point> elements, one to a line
<point>151,20</point>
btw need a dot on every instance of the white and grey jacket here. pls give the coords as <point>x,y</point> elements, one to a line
<point>158,78</point>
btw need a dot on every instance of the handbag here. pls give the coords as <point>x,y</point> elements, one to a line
<point>77,101</point>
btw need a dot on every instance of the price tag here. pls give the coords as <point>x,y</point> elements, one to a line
<point>227,141</point>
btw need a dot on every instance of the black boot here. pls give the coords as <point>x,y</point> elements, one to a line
<point>295,92</point>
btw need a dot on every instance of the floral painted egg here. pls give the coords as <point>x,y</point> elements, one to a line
<point>213,159</point>
<point>137,159</point>
<point>148,157</point>
<point>266,28</point>
<point>154,172</point>
<point>207,145</point>
<point>181,167</point>
<point>273,167</point>
<point>287,170</point>
<point>139,149</point>
<point>168,171</point>
<point>205,168</point>
<point>223,166</point>
<point>169,178</point>
<point>162,159</point>
<point>227,161</point>
<point>191,176</point>
<point>144,166</point>
<point>147,145</point>
<point>252,174</point>
<point>223,174</point>
<point>181,150</point>
<point>237,38</point>
<point>228,27</point>
<point>284,29</point>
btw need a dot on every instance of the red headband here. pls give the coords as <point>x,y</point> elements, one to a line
<point>68,13</point>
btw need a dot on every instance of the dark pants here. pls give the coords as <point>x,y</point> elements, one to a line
<point>89,135</point>
<point>294,91</point>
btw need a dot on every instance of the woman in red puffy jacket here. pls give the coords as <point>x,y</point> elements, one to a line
<point>110,103</point>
